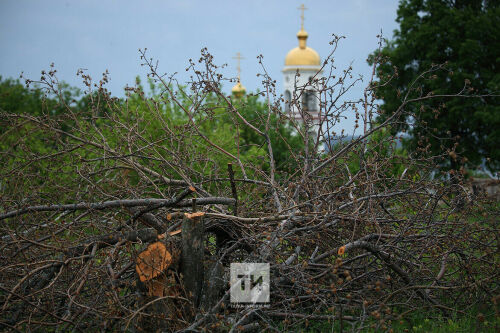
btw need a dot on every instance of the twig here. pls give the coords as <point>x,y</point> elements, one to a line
<point>233,188</point>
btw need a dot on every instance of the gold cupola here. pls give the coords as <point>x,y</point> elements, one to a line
<point>302,55</point>
<point>238,89</point>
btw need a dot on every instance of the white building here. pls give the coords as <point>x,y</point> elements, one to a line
<point>302,98</point>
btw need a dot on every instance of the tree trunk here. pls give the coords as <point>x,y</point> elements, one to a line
<point>192,256</point>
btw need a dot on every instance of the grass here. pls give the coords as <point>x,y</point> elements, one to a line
<point>421,321</point>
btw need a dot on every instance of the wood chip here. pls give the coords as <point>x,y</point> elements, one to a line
<point>172,233</point>
<point>193,215</point>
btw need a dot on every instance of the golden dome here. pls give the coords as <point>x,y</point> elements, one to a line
<point>302,55</point>
<point>238,90</point>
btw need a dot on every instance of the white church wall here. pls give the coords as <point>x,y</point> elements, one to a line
<point>298,88</point>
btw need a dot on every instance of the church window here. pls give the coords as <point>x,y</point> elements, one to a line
<point>309,101</point>
<point>288,98</point>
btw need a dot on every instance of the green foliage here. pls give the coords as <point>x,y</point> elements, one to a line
<point>282,134</point>
<point>216,120</point>
<point>418,321</point>
<point>16,98</point>
<point>152,125</point>
<point>463,34</point>
<point>20,139</point>
<point>382,145</point>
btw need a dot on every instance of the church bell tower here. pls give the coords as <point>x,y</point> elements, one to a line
<point>302,90</point>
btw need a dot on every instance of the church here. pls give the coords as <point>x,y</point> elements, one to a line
<point>301,92</point>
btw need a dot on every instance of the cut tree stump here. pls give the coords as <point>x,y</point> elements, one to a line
<point>192,255</point>
<point>213,285</point>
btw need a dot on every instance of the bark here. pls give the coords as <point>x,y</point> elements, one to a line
<point>192,256</point>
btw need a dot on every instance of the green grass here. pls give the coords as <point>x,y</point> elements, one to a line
<point>416,322</point>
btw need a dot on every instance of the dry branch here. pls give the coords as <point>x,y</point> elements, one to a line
<point>152,202</point>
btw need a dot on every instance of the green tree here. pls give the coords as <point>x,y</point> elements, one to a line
<point>282,134</point>
<point>161,128</point>
<point>20,139</point>
<point>219,124</point>
<point>15,98</point>
<point>464,35</point>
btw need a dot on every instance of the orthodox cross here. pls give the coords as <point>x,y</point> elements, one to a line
<point>302,8</point>
<point>238,68</point>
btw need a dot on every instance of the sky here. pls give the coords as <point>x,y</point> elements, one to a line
<point>106,34</point>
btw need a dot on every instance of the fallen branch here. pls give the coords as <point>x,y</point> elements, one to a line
<point>158,203</point>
